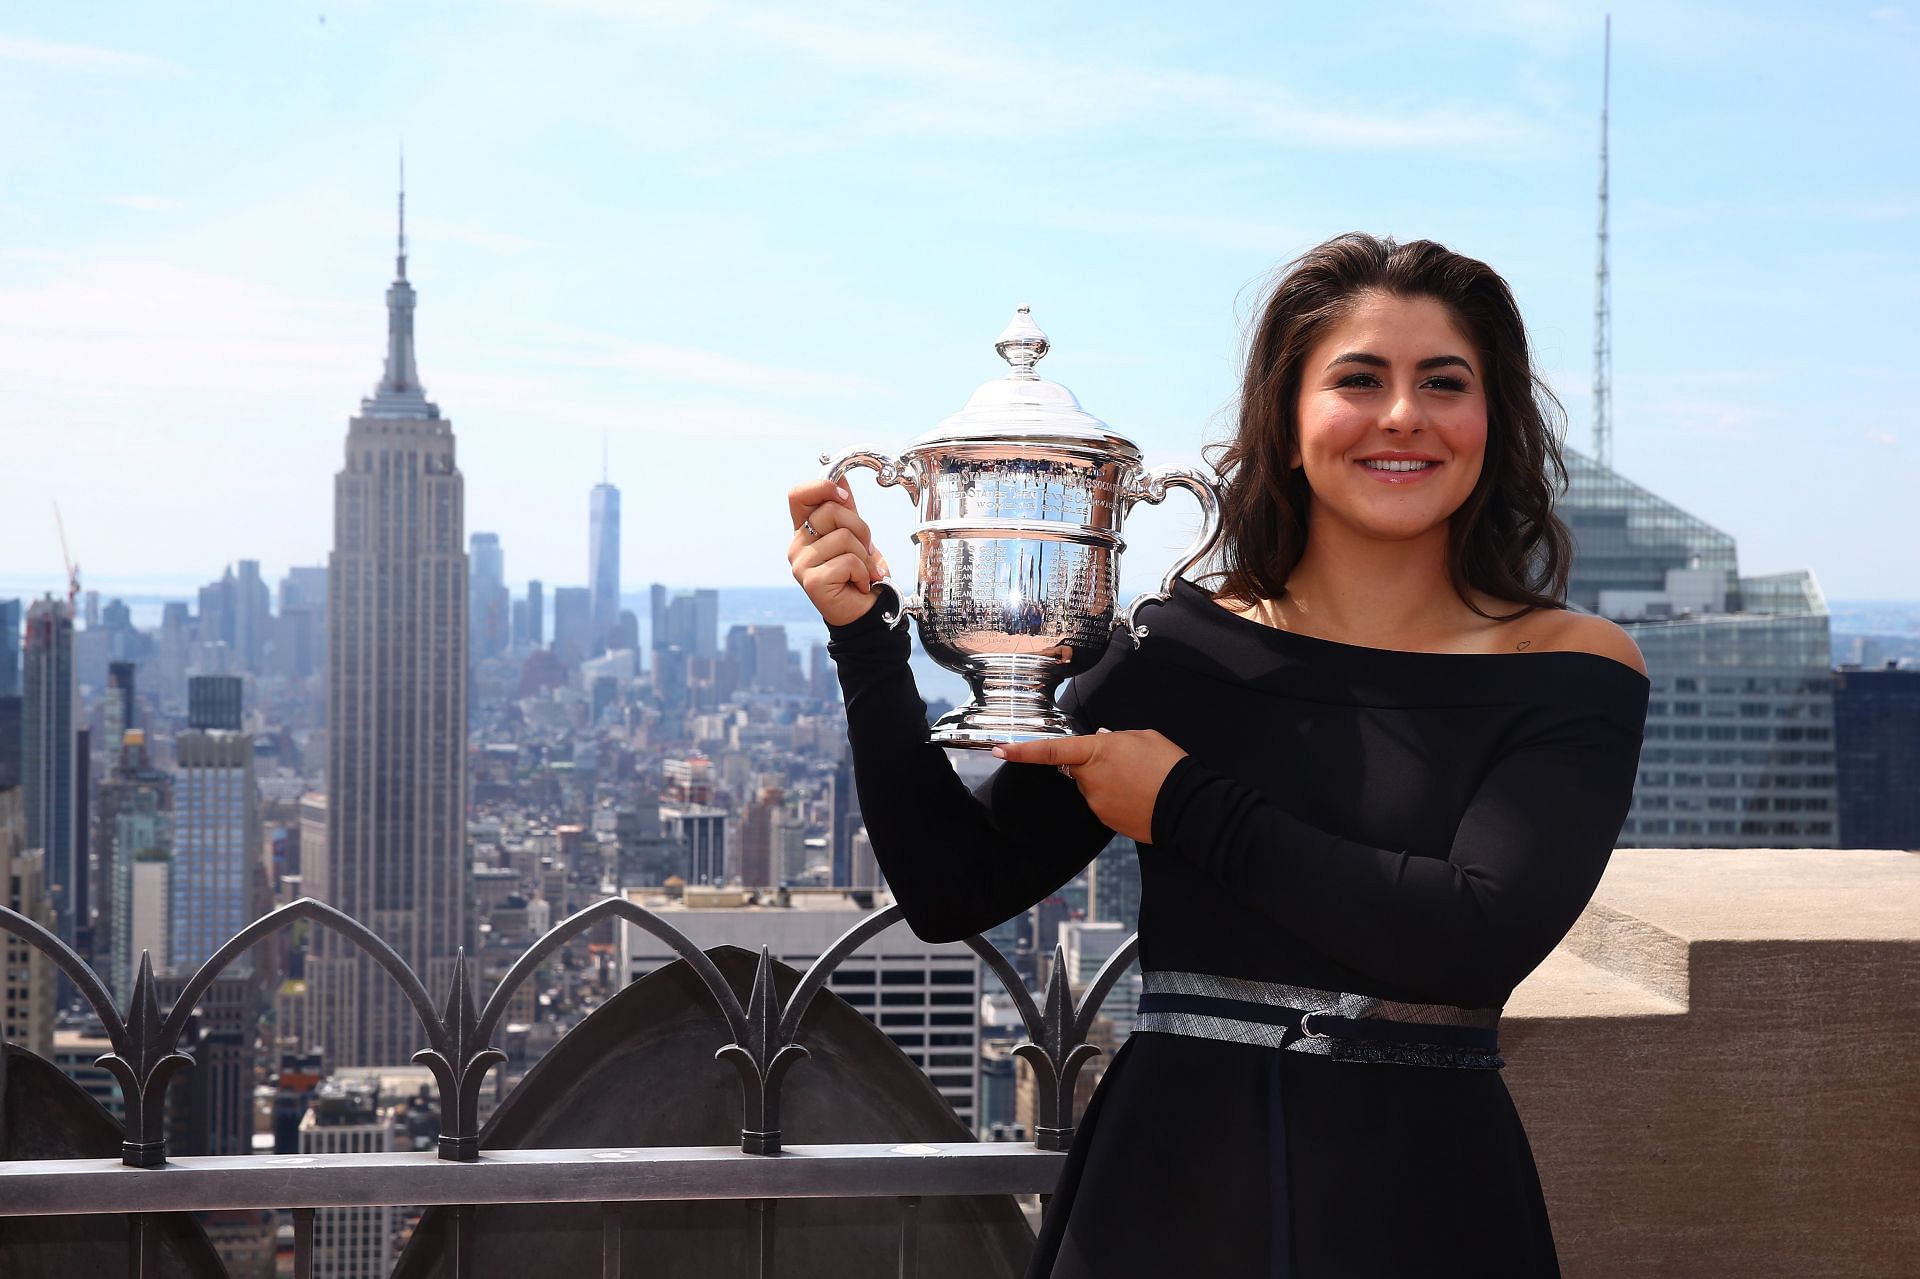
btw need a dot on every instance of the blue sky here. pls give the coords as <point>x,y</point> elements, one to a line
<point>723,238</point>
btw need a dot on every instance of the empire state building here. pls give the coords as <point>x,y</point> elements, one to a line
<point>396,709</point>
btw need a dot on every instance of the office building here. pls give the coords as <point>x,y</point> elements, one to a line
<point>300,630</point>
<point>603,563</point>
<point>12,727</point>
<point>214,702</point>
<point>924,996</point>
<point>75,1054</point>
<point>572,624</point>
<point>210,1105</point>
<point>347,1119</point>
<point>701,832</point>
<point>117,710</point>
<point>1088,945</point>
<point>51,761</point>
<point>760,657</point>
<point>1113,884</point>
<point>864,873</point>
<point>846,821</point>
<point>214,617</point>
<point>27,982</point>
<point>626,633</point>
<point>756,836</point>
<point>1876,732</point>
<point>1739,740</point>
<point>396,708</point>
<point>487,597</point>
<point>686,620</point>
<point>9,648</point>
<point>135,843</point>
<point>536,614</point>
<point>252,617</point>
<point>216,843</point>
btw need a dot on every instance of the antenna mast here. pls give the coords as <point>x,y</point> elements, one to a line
<point>1602,285</point>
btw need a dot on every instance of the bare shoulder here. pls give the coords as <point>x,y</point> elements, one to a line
<point>1564,630</point>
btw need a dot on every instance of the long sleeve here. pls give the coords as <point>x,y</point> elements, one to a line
<point>1526,857</point>
<point>958,861</point>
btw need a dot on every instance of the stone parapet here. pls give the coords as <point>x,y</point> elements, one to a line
<point>1719,1068</point>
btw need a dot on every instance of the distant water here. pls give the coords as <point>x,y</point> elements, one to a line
<point>147,597</point>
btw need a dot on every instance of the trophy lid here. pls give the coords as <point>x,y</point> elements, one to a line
<point>1024,405</point>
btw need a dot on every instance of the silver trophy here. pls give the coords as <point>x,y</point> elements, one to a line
<point>1021,497</point>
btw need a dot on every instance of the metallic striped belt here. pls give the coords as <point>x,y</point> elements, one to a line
<point>1322,1022</point>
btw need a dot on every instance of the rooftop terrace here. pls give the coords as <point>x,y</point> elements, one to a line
<point>1715,1071</point>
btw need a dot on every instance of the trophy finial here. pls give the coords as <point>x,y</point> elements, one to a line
<point>1022,344</point>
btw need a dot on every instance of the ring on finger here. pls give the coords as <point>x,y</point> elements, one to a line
<point>807,524</point>
<point>1065,771</point>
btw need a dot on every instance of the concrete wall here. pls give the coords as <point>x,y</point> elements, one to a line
<point>1719,1069</point>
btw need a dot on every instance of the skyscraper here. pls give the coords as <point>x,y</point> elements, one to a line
<point>1739,749</point>
<point>572,623</point>
<point>10,706</point>
<point>135,842</point>
<point>397,707</point>
<point>686,620</point>
<point>50,761</point>
<point>536,613</point>
<point>215,828</point>
<point>487,597</point>
<point>252,616</point>
<point>603,562</point>
<point>27,980</point>
<point>118,711</point>
<point>9,648</point>
<point>1876,733</point>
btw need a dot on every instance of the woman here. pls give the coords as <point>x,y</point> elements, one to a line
<point>1375,777</point>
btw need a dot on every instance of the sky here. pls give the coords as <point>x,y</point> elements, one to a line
<point>711,241</point>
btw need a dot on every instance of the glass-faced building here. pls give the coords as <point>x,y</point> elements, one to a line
<point>1877,736</point>
<point>215,843</point>
<point>1739,748</point>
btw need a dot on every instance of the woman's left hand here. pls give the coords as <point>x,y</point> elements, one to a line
<point>1119,774</point>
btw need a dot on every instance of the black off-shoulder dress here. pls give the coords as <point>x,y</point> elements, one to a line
<point>1422,827</point>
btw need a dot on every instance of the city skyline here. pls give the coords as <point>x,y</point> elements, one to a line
<point>635,285</point>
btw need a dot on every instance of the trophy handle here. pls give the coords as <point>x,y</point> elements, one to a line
<point>1151,488</point>
<point>891,473</point>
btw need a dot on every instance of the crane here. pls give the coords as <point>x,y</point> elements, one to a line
<point>73,570</point>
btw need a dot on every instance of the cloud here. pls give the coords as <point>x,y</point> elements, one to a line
<point>74,57</point>
<point>147,203</point>
<point>712,368</point>
<point>960,84</point>
<point>124,330</point>
<point>927,78</point>
<point>1885,439</point>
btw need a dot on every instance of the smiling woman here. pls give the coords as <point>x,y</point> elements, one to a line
<point>1363,347</point>
<point>1374,780</point>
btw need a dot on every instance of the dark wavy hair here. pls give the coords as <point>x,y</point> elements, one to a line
<point>1505,539</point>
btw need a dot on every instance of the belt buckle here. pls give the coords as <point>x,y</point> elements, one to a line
<point>1307,1032</point>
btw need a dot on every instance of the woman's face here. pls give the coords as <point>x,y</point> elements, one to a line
<point>1393,417</point>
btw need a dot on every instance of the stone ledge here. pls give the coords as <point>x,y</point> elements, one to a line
<point>1715,1069</point>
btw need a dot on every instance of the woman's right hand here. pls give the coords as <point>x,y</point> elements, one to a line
<point>832,551</point>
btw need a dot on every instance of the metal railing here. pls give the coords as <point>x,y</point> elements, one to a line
<point>761,1042</point>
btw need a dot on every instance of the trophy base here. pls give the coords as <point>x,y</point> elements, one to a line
<point>976,727</point>
<point>1012,702</point>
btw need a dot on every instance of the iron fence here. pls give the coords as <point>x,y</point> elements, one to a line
<point>761,1039</point>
